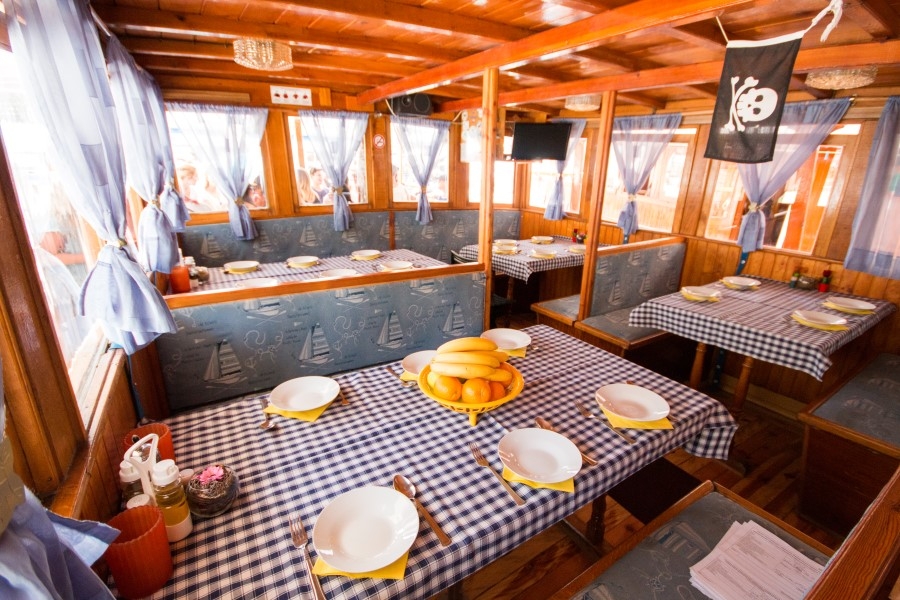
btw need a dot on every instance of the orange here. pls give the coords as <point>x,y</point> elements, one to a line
<point>447,388</point>
<point>497,390</point>
<point>476,391</point>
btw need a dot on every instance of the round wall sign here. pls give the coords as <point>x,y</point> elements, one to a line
<point>378,141</point>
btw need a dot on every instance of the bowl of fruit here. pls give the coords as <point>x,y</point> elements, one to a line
<point>470,375</point>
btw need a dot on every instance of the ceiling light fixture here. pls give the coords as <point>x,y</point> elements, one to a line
<point>841,79</point>
<point>583,102</point>
<point>262,54</point>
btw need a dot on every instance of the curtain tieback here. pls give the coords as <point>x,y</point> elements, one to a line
<point>239,201</point>
<point>170,184</point>
<point>753,207</point>
<point>424,189</point>
<point>155,202</point>
<point>118,243</point>
<point>338,190</point>
<point>632,197</point>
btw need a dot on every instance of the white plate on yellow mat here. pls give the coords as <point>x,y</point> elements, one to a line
<point>258,282</point>
<point>577,249</point>
<point>304,393</point>
<point>241,266</point>
<point>700,293</point>
<point>414,362</point>
<point>507,339</point>
<point>818,318</point>
<point>302,261</point>
<point>539,455</point>
<point>365,529</point>
<point>504,242</point>
<point>535,253</point>
<point>336,273</point>
<point>541,239</point>
<point>505,249</point>
<point>849,303</point>
<point>395,265</point>
<point>741,283</point>
<point>365,254</point>
<point>632,402</point>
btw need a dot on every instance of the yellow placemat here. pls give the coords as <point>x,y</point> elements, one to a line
<point>395,570</point>
<point>540,255</point>
<point>822,326</point>
<point>563,486</point>
<point>303,415</point>
<point>617,421</point>
<point>852,311</point>
<point>517,352</point>
<point>407,376</point>
<point>690,296</point>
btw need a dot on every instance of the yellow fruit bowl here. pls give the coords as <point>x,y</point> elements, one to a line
<point>514,388</point>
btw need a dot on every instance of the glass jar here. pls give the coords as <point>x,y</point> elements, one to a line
<point>171,500</point>
<point>211,491</point>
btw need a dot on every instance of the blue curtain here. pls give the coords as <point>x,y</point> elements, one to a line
<point>170,201</point>
<point>421,140</point>
<point>638,143</point>
<point>804,125</point>
<point>335,138</point>
<point>874,246</point>
<point>63,71</point>
<point>227,140</point>
<point>554,210</point>
<point>144,170</point>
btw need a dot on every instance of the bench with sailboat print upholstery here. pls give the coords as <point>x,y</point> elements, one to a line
<point>624,276</point>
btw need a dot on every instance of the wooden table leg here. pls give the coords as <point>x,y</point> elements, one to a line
<point>595,526</point>
<point>743,384</point>
<point>697,368</point>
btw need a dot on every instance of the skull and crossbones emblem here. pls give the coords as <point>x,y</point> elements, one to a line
<point>749,104</point>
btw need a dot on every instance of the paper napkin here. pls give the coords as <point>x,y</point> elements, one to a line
<point>852,311</point>
<point>303,415</point>
<point>563,486</point>
<point>517,352</point>
<point>690,296</point>
<point>395,570</point>
<point>407,376</point>
<point>822,326</point>
<point>617,421</point>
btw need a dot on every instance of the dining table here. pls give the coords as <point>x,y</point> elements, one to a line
<point>285,271</point>
<point>384,428</point>
<point>522,263</point>
<point>756,322</point>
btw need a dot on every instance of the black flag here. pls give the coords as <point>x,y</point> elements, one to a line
<point>750,100</point>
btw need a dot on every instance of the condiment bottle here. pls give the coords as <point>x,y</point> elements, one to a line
<point>180,278</point>
<point>171,500</point>
<point>575,235</point>
<point>129,481</point>
<point>794,279</point>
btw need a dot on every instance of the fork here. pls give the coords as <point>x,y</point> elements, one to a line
<point>300,539</point>
<point>586,412</point>
<point>482,461</point>
<point>405,384</point>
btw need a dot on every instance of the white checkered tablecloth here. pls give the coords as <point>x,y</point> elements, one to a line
<point>219,279</point>
<point>521,265</point>
<point>758,323</point>
<point>388,429</point>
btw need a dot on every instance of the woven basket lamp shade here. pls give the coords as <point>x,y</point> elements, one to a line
<point>262,55</point>
<point>583,102</point>
<point>841,79</point>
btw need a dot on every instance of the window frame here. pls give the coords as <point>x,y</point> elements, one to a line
<point>582,202</point>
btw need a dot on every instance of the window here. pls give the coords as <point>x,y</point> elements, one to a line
<point>199,192</point>
<point>544,176</point>
<point>659,196</point>
<point>504,179</point>
<point>405,187</point>
<point>310,180</point>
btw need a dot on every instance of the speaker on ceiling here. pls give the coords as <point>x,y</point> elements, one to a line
<point>411,104</point>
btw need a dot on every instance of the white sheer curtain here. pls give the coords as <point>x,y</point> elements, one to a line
<point>875,242</point>
<point>335,138</point>
<point>554,210</point>
<point>421,140</point>
<point>227,140</point>
<point>638,143</point>
<point>61,64</point>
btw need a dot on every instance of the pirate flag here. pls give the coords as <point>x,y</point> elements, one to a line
<point>752,91</point>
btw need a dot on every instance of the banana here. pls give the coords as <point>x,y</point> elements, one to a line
<point>498,354</point>
<point>431,378</point>
<point>501,375</point>
<point>462,371</point>
<point>467,358</point>
<point>467,344</point>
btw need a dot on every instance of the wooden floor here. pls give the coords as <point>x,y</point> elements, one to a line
<point>764,468</point>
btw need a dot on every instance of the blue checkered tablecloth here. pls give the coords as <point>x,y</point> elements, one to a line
<point>522,264</point>
<point>388,429</point>
<point>220,279</point>
<point>758,323</point>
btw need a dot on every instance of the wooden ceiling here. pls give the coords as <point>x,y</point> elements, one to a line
<point>657,54</point>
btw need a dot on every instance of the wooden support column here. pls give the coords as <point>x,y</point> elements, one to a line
<point>697,367</point>
<point>489,128</point>
<point>743,384</point>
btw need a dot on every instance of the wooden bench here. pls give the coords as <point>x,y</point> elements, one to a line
<point>624,276</point>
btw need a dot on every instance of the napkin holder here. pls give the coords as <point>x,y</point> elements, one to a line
<point>807,283</point>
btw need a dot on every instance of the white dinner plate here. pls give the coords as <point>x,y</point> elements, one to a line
<point>505,242</point>
<point>336,273</point>
<point>505,249</point>
<point>241,266</point>
<point>365,529</point>
<point>539,455</point>
<point>365,254</point>
<point>700,291</point>
<point>257,282</point>
<point>850,303</point>
<point>543,253</point>
<point>541,239</point>
<point>414,362</point>
<point>632,402</point>
<point>507,339</point>
<point>577,248</point>
<point>304,393</point>
<point>741,282</point>
<point>819,318</point>
<point>302,261</point>
<point>395,265</point>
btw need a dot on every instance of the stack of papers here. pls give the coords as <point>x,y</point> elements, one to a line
<point>752,562</point>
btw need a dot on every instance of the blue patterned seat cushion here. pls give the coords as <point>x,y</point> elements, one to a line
<point>615,323</point>
<point>567,306</point>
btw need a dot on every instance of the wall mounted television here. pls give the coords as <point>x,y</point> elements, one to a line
<point>540,141</point>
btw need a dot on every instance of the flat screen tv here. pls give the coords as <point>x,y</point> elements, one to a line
<point>540,141</point>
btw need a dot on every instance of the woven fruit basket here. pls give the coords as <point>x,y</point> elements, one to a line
<point>474,409</point>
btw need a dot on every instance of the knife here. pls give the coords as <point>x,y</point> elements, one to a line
<point>545,424</point>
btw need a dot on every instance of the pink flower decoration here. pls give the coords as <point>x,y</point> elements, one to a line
<point>211,473</point>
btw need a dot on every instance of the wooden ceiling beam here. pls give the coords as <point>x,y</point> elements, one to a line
<point>581,35</point>
<point>704,34</point>
<point>881,11</point>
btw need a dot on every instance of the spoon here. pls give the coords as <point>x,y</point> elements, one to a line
<point>406,487</point>
<point>267,422</point>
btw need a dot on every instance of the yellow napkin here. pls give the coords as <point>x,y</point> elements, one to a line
<point>539,255</point>
<point>395,570</point>
<point>690,296</point>
<point>240,271</point>
<point>563,486</point>
<point>740,287</point>
<point>407,376</point>
<point>852,311</point>
<point>617,421</point>
<point>822,326</point>
<point>303,415</point>
<point>517,352</point>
